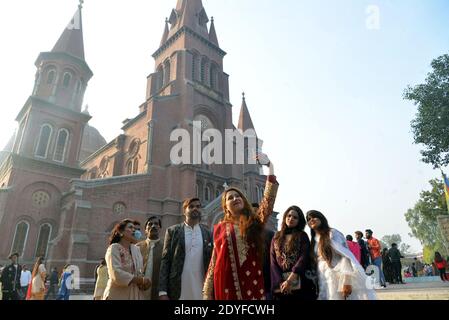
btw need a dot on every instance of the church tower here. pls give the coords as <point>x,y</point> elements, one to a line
<point>36,175</point>
<point>51,123</point>
<point>189,51</point>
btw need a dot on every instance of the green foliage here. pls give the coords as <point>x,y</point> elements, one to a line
<point>422,218</point>
<point>429,252</point>
<point>388,240</point>
<point>431,125</point>
<point>404,248</point>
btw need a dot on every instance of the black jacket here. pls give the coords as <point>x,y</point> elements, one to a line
<point>11,278</point>
<point>173,255</point>
<point>395,255</point>
<point>365,253</point>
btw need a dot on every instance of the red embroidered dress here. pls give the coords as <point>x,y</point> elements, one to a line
<point>235,270</point>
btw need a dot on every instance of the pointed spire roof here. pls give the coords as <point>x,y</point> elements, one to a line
<point>212,33</point>
<point>71,40</point>
<point>245,121</point>
<point>191,14</point>
<point>166,32</point>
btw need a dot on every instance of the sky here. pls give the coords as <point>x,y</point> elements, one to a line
<point>324,83</point>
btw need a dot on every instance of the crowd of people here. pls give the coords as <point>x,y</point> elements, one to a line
<point>240,260</point>
<point>17,282</point>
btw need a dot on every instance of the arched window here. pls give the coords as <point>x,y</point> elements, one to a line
<point>260,192</point>
<point>66,80</point>
<point>43,240</point>
<point>61,145</point>
<point>160,77</point>
<point>78,87</point>
<point>136,166</point>
<point>93,173</point>
<point>194,66</point>
<point>44,141</point>
<point>129,167</point>
<point>167,73</point>
<point>207,194</point>
<point>51,75</point>
<point>213,77</point>
<point>20,237</point>
<point>199,189</point>
<point>203,70</point>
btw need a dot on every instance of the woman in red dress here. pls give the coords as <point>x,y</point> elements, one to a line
<point>235,270</point>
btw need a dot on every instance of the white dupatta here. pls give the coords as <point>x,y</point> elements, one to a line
<point>350,270</point>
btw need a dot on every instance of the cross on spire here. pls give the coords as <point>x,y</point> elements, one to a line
<point>81,4</point>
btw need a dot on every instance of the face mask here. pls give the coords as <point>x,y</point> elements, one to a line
<point>138,234</point>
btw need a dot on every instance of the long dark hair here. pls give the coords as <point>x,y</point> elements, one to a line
<point>118,229</point>
<point>438,257</point>
<point>251,227</point>
<point>39,261</point>
<point>324,246</point>
<point>279,237</point>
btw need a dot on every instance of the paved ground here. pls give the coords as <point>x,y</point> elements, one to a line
<point>411,291</point>
<point>437,290</point>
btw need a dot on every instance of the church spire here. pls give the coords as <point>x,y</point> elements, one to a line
<point>212,33</point>
<point>245,121</point>
<point>166,32</point>
<point>71,40</point>
<point>190,14</point>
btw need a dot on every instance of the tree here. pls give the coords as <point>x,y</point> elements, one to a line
<point>431,125</point>
<point>422,218</point>
<point>388,240</point>
<point>404,248</point>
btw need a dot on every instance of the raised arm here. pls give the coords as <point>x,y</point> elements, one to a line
<point>271,187</point>
<point>269,197</point>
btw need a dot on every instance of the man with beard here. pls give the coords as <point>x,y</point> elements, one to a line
<point>186,256</point>
<point>151,250</point>
<point>374,248</point>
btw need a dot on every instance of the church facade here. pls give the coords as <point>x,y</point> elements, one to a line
<point>63,187</point>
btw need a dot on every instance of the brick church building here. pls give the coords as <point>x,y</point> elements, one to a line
<point>63,187</point>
